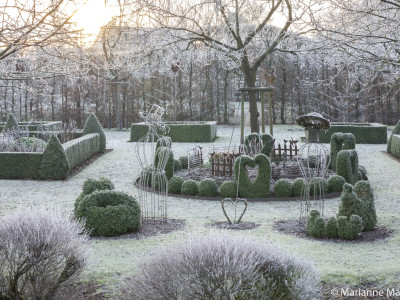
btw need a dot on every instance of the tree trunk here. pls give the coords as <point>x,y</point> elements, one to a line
<point>250,79</point>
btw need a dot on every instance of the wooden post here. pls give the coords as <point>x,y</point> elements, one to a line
<point>271,115</point>
<point>262,112</point>
<point>242,120</point>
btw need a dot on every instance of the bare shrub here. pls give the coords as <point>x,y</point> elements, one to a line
<point>40,251</point>
<point>68,131</point>
<point>221,266</point>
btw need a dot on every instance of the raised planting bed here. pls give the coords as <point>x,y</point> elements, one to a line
<point>33,126</point>
<point>29,165</point>
<point>190,132</point>
<point>365,133</point>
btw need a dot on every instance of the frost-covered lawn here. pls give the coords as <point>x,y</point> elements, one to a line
<point>339,263</point>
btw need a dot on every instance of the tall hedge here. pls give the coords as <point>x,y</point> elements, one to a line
<point>11,123</point>
<point>261,186</point>
<point>341,141</point>
<point>396,130</point>
<point>93,125</point>
<point>347,165</point>
<point>54,164</point>
<point>365,133</point>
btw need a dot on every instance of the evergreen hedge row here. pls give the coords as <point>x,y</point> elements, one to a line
<point>199,132</point>
<point>20,165</point>
<point>81,149</point>
<point>365,133</point>
<point>50,126</point>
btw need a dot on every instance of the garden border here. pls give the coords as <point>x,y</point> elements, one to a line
<point>188,132</point>
<point>49,125</point>
<point>365,133</point>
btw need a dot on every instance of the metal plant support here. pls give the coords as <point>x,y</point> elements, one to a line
<point>313,161</point>
<point>153,182</point>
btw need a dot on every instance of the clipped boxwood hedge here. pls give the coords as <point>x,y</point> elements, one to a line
<point>109,213</point>
<point>395,145</point>
<point>81,149</point>
<point>20,165</point>
<point>365,133</point>
<point>50,126</point>
<point>196,132</point>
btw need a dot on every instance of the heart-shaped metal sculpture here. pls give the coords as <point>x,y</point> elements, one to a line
<point>235,203</point>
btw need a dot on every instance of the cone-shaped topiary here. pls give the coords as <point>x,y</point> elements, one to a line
<point>341,141</point>
<point>315,225</point>
<point>349,228</point>
<point>93,125</point>
<point>190,187</point>
<point>283,188</point>
<point>228,189</point>
<point>54,164</point>
<point>260,187</point>
<point>11,123</point>
<point>331,228</point>
<point>365,194</point>
<point>298,187</point>
<point>208,188</point>
<point>347,165</point>
<point>175,185</point>
<point>335,184</point>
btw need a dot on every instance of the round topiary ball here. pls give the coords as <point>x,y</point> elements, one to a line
<point>208,188</point>
<point>109,213</point>
<point>283,188</point>
<point>318,186</point>
<point>228,189</point>
<point>335,184</point>
<point>175,185</point>
<point>298,187</point>
<point>177,165</point>
<point>190,187</point>
<point>184,162</point>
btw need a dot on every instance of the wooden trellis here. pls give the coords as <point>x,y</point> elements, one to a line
<point>280,151</point>
<point>222,163</point>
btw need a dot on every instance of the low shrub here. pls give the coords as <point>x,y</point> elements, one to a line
<point>335,184</point>
<point>368,214</point>
<point>222,266</point>
<point>208,188</point>
<point>316,225</point>
<point>175,185</point>
<point>190,188</point>
<point>298,187</point>
<point>177,165</point>
<point>109,213</point>
<point>184,162</point>
<point>318,186</point>
<point>349,228</point>
<point>228,189</point>
<point>332,228</point>
<point>283,188</point>
<point>41,251</point>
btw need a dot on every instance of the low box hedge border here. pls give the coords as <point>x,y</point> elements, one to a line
<point>26,165</point>
<point>365,133</point>
<point>51,126</point>
<point>189,132</point>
